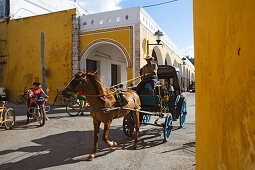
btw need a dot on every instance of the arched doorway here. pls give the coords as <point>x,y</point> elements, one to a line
<point>175,63</point>
<point>157,55</point>
<point>109,60</point>
<point>168,60</point>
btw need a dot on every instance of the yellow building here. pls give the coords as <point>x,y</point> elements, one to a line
<point>20,61</point>
<point>115,43</point>
<point>225,75</point>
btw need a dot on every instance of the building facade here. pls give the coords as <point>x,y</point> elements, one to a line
<point>20,52</point>
<point>29,8</point>
<point>115,43</point>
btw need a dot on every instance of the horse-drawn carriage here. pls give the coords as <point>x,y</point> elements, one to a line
<point>167,102</point>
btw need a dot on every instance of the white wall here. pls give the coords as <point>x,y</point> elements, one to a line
<point>107,54</point>
<point>27,8</point>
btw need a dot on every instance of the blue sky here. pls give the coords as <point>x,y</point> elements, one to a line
<point>176,18</point>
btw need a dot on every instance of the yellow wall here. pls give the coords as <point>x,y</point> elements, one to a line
<point>22,47</point>
<point>224,33</point>
<point>123,36</point>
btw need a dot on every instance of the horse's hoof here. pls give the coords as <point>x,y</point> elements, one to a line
<point>114,144</point>
<point>134,146</point>
<point>91,157</point>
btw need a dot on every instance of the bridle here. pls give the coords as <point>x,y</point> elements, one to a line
<point>81,80</point>
<point>73,85</point>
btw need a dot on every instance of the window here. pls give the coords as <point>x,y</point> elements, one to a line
<point>118,19</point>
<point>115,74</point>
<point>91,66</point>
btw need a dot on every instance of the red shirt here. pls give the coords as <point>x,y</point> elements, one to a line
<point>34,92</point>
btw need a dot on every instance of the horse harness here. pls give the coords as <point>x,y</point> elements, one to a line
<point>121,102</point>
<point>119,96</point>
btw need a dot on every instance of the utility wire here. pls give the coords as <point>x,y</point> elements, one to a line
<point>147,6</point>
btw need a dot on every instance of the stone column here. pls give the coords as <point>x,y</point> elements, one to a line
<point>75,44</point>
<point>137,51</point>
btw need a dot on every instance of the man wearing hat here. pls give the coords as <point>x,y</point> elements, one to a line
<point>149,75</point>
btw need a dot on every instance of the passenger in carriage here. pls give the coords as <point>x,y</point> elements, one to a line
<point>149,75</point>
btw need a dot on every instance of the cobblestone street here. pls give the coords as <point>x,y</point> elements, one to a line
<point>65,143</point>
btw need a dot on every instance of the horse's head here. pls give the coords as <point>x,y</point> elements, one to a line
<point>75,84</point>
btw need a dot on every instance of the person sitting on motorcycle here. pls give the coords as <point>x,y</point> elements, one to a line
<point>36,90</point>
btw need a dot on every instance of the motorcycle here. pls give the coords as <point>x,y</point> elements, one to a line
<point>37,111</point>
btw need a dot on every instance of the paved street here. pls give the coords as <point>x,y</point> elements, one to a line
<point>65,143</point>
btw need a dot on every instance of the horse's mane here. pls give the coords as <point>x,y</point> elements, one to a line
<point>97,82</point>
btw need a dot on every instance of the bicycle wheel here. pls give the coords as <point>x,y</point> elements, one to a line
<point>73,108</point>
<point>20,99</point>
<point>41,116</point>
<point>9,118</point>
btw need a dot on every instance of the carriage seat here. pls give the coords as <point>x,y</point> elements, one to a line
<point>147,100</point>
<point>148,89</point>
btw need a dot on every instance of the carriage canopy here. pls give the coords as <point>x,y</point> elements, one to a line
<point>170,72</point>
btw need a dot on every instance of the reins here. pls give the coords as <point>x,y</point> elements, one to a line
<point>103,95</point>
<point>126,81</point>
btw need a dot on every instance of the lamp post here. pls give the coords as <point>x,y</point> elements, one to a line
<point>157,34</point>
<point>183,63</point>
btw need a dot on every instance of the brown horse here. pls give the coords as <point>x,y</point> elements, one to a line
<point>103,105</point>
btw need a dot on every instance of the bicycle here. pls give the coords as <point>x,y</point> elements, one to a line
<point>60,99</point>
<point>7,116</point>
<point>21,98</point>
<point>74,108</point>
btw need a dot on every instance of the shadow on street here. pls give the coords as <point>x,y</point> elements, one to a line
<point>63,148</point>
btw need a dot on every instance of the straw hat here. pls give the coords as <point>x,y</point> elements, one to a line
<point>148,57</point>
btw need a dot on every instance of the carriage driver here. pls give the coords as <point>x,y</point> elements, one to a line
<point>149,73</point>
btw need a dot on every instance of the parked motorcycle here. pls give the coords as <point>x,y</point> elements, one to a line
<point>38,110</point>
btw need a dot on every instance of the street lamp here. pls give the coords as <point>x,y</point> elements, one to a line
<point>183,68</point>
<point>157,34</point>
<point>183,61</point>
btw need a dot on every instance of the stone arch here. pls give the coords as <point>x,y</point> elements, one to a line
<point>175,63</point>
<point>168,59</point>
<point>187,73</point>
<point>110,60</point>
<point>156,53</point>
<point>92,45</point>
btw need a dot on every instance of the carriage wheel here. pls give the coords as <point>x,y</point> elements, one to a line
<point>183,113</point>
<point>168,127</point>
<point>146,118</point>
<point>128,125</point>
